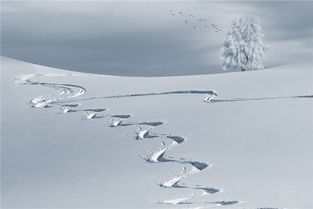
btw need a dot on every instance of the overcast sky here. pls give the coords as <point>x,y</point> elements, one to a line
<point>142,38</point>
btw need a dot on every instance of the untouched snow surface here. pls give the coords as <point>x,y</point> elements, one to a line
<point>60,148</point>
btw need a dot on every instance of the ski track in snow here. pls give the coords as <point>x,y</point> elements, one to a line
<point>64,91</point>
<point>62,100</point>
<point>206,92</point>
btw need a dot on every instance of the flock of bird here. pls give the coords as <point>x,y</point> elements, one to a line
<point>196,23</point>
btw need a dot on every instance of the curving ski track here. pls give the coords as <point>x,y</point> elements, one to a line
<point>64,90</point>
<point>64,94</point>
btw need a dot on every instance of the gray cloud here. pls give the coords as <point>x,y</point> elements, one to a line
<point>139,38</point>
<point>286,20</point>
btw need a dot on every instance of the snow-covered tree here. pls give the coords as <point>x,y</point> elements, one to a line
<point>244,48</point>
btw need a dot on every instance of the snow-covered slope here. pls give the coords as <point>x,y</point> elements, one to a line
<point>87,141</point>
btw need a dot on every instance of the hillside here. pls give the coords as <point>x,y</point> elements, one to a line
<point>251,147</point>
